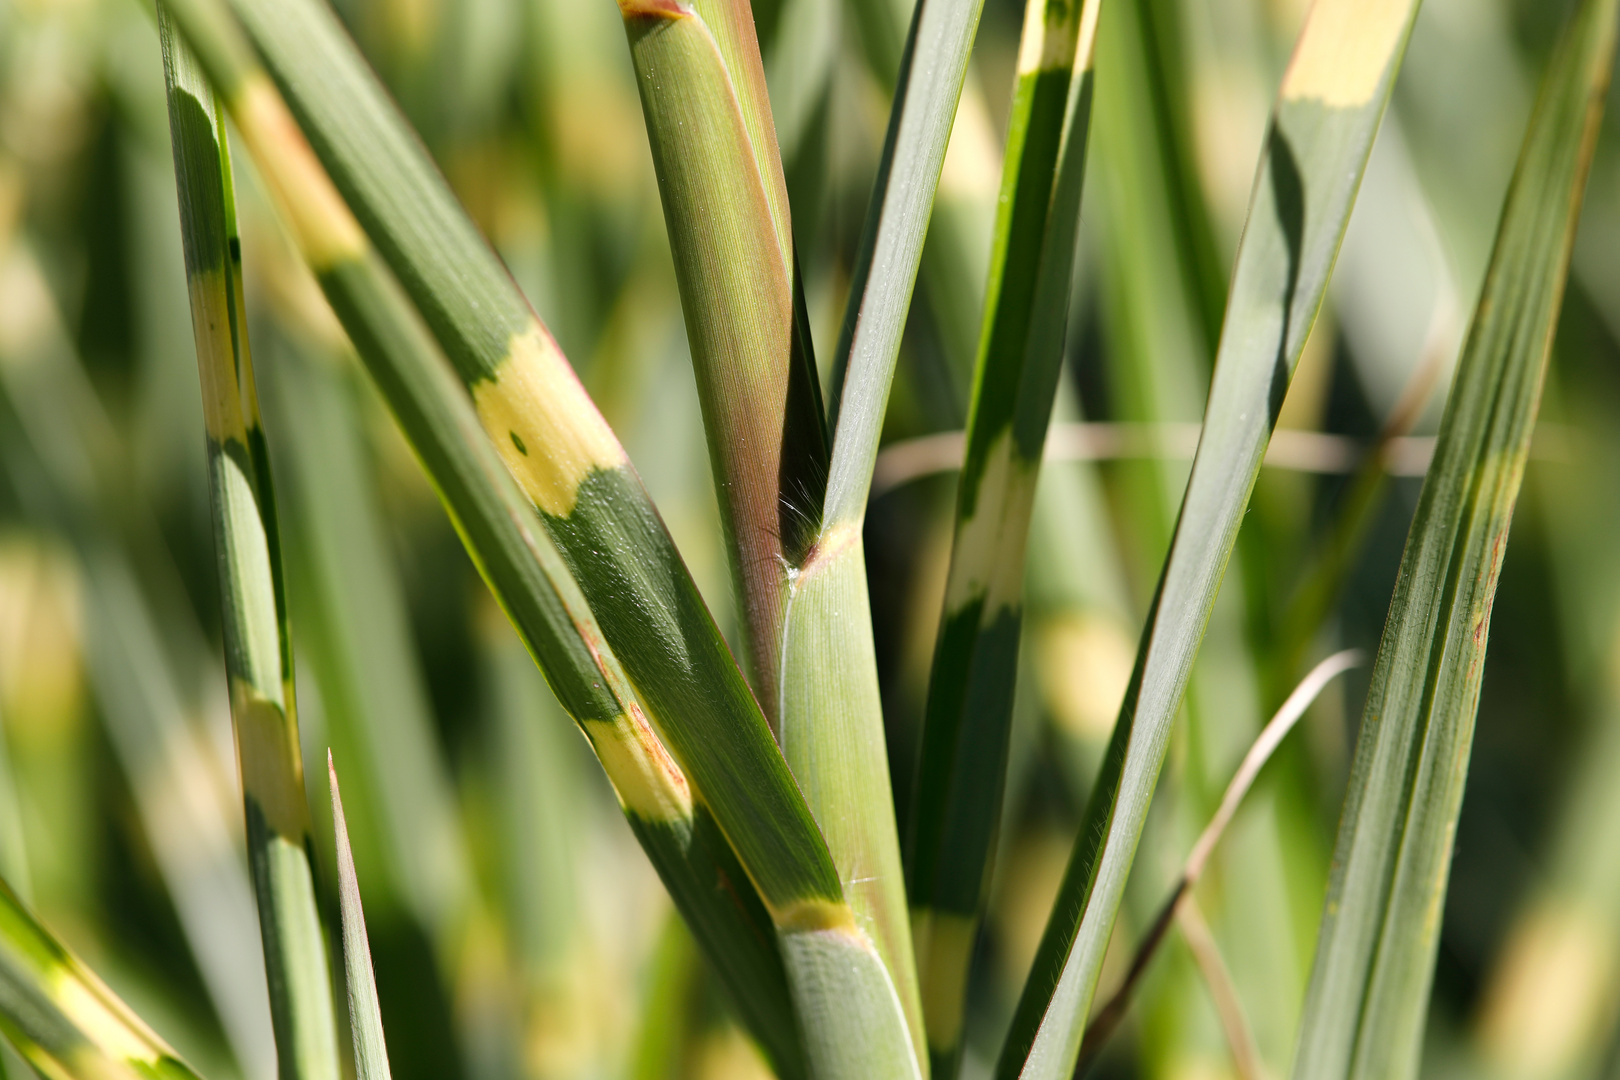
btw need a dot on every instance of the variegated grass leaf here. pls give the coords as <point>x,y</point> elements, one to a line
<point>258,651</point>
<point>592,509</point>
<point>65,468</point>
<point>1365,1011</point>
<point>963,762</point>
<point>1332,98</point>
<point>64,1019</point>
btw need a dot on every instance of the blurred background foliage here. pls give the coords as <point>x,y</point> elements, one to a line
<point>517,930</point>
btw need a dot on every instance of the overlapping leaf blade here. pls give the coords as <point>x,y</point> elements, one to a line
<point>1332,98</point>
<point>62,1018</point>
<point>1365,1011</point>
<point>714,145</point>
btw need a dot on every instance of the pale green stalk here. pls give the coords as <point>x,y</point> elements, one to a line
<point>1364,1014</point>
<point>830,713</point>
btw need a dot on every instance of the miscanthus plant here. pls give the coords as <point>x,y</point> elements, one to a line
<point>834,884</point>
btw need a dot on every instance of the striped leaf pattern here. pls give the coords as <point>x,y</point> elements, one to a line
<point>1327,112</point>
<point>1369,989</point>
<point>962,767</point>
<point>585,581</point>
<point>62,1018</point>
<point>258,651</point>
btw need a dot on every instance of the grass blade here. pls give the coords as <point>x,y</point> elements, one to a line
<point>963,762</point>
<point>714,144</point>
<point>258,652</point>
<point>1112,1012</point>
<point>62,1018</point>
<point>1327,113</point>
<point>545,428</point>
<point>592,507</point>
<point>62,467</point>
<point>962,221</point>
<point>1366,1006</point>
<point>830,713</point>
<point>365,1017</point>
<point>932,70</point>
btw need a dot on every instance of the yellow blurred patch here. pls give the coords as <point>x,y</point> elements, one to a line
<point>320,221</point>
<point>1344,49</point>
<point>1555,984</point>
<point>944,943</point>
<point>1083,662</point>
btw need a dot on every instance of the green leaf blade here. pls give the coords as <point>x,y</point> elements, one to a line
<point>962,766</point>
<point>1327,114</point>
<point>1366,1006</point>
<point>64,1019</point>
<point>365,1015</point>
<point>257,644</point>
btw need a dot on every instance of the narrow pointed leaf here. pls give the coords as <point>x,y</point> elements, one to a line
<point>963,763</point>
<point>64,467</point>
<point>1365,1011</point>
<point>1331,101</point>
<point>258,652</point>
<point>365,1016</point>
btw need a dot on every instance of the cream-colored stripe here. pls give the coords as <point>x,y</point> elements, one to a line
<point>649,783</point>
<point>211,326</point>
<point>1048,39</point>
<point>320,221</point>
<point>988,557</point>
<point>108,1031</point>
<point>1344,50</point>
<point>547,429</point>
<point>271,776</point>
